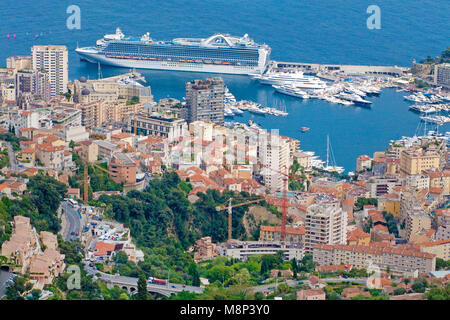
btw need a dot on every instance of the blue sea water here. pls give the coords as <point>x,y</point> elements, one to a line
<point>331,31</point>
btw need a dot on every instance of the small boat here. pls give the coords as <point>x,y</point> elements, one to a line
<point>304,129</point>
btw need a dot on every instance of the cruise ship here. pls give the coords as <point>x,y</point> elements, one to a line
<point>220,53</point>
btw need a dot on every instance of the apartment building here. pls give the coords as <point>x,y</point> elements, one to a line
<point>273,233</point>
<point>205,100</point>
<point>107,149</point>
<point>274,155</point>
<point>400,261</point>
<point>416,222</point>
<point>54,60</point>
<point>33,82</point>
<point>157,124</point>
<point>87,150</point>
<point>122,168</point>
<point>439,248</point>
<point>124,89</point>
<point>22,244</point>
<point>18,63</point>
<point>363,162</point>
<point>325,223</point>
<point>379,186</point>
<point>417,181</point>
<point>50,156</point>
<point>442,75</point>
<point>242,250</point>
<point>416,161</point>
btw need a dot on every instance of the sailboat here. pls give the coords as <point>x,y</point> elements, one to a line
<point>333,167</point>
<point>283,112</point>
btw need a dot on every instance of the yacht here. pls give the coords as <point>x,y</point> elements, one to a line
<point>354,98</point>
<point>291,90</point>
<point>278,77</point>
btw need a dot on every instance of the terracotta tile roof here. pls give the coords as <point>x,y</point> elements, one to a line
<point>356,235</point>
<point>102,248</point>
<point>435,243</point>
<point>375,249</point>
<point>349,202</point>
<point>28,150</point>
<point>121,135</point>
<point>289,230</point>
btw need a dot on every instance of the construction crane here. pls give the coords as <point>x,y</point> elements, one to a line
<point>230,207</point>
<point>85,179</point>
<point>285,187</point>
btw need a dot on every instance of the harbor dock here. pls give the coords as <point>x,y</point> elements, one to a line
<point>332,71</point>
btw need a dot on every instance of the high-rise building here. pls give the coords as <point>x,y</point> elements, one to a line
<point>33,82</point>
<point>274,154</point>
<point>205,100</point>
<point>442,74</point>
<point>325,224</point>
<point>54,60</point>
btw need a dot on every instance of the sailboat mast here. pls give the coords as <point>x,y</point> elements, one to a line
<point>328,148</point>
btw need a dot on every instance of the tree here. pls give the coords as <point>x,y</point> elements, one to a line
<point>294,267</point>
<point>441,264</point>
<point>419,285</point>
<point>399,291</point>
<point>242,277</point>
<point>142,293</point>
<point>283,288</point>
<point>259,296</point>
<point>35,294</point>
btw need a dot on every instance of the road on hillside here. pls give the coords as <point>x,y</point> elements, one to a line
<point>4,277</point>
<point>12,157</point>
<point>73,221</point>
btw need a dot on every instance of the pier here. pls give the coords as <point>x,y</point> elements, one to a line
<point>335,71</point>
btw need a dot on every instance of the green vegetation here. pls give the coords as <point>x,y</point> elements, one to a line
<point>12,138</point>
<point>419,285</point>
<point>18,288</point>
<point>142,293</point>
<point>164,224</point>
<point>4,160</point>
<point>438,294</point>
<point>99,179</point>
<point>133,100</point>
<point>391,223</point>
<point>441,264</point>
<point>39,204</point>
<point>361,202</point>
<point>89,290</point>
<point>299,177</point>
<point>368,225</point>
<point>421,83</point>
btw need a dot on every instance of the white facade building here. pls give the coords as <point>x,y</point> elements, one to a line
<point>325,224</point>
<point>54,60</point>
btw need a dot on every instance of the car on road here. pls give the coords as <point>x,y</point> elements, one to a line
<point>72,233</point>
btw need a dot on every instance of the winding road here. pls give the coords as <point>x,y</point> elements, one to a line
<point>73,221</point>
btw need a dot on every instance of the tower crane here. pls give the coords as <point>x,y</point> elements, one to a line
<point>230,207</point>
<point>285,187</point>
<point>85,178</point>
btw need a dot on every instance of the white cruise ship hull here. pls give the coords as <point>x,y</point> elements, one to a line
<point>168,65</point>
